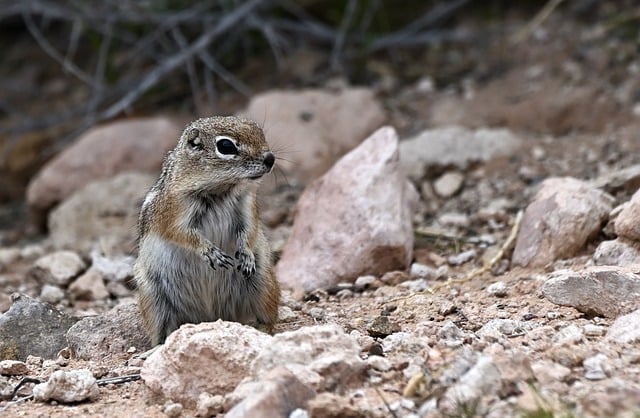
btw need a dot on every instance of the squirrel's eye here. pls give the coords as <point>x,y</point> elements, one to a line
<point>226,146</point>
<point>194,140</point>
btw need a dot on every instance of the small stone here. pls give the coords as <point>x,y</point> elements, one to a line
<point>299,413</point>
<point>209,405</point>
<point>482,379</point>
<point>67,387</point>
<point>548,372</point>
<point>363,282</point>
<point>13,368</point>
<point>454,219</point>
<point>116,269</point>
<point>421,271</point>
<point>286,314</point>
<point>450,335</point>
<point>569,335</point>
<point>172,410</point>
<point>51,294</point>
<point>316,313</point>
<point>463,257</point>
<point>591,330</point>
<point>415,286</point>
<point>448,184</point>
<point>594,367</point>
<point>327,405</point>
<point>498,289</point>
<point>58,268</point>
<point>382,327</point>
<point>89,286</point>
<point>496,329</point>
<point>379,363</point>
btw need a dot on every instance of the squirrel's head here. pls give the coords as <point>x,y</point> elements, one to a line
<point>221,152</point>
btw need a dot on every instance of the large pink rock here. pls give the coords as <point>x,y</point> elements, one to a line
<point>129,145</point>
<point>627,224</point>
<point>210,357</point>
<point>311,129</point>
<point>354,220</point>
<point>564,214</point>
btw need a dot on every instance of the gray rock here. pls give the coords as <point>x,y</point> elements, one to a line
<point>173,409</point>
<point>67,386</point>
<point>58,268</point>
<point>604,290</point>
<point>450,335</point>
<point>421,271</point>
<point>51,294</point>
<point>355,220</point>
<point>618,252</point>
<point>34,328</point>
<point>104,212</point>
<point>497,329</point>
<point>625,329</point>
<point>379,363</point>
<point>278,394</point>
<point>569,335</point>
<point>563,216</point>
<point>316,126</point>
<point>113,269</point>
<point>454,146</point>
<point>112,333</point>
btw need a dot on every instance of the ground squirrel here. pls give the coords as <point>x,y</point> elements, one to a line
<point>200,213</point>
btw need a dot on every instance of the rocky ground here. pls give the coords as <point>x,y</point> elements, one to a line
<point>461,248</point>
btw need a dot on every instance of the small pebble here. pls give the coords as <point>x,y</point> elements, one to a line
<point>286,314</point>
<point>172,409</point>
<point>379,363</point>
<point>421,271</point>
<point>498,289</point>
<point>594,367</point>
<point>209,405</point>
<point>591,330</point>
<point>363,282</point>
<point>463,257</point>
<point>13,368</point>
<point>317,313</point>
<point>51,294</point>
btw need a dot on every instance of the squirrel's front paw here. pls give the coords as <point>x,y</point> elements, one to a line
<point>215,257</point>
<point>246,263</point>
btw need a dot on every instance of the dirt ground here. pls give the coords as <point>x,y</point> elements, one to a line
<point>571,89</point>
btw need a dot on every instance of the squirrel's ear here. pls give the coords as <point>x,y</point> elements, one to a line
<point>194,141</point>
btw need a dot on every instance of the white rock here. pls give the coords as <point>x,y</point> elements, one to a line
<point>355,220</point>
<point>67,386</point>
<point>618,252</point>
<point>421,271</point>
<point>58,268</point>
<point>450,335</point>
<point>498,289</point>
<point>363,282</point>
<point>286,314</point>
<point>497,329</point>
<point>627,223</point>
<point>448,184</point>
<point>463,257</point>
<point>569,335</point>
<point>594,367</point>
<point>172,409</point>
<point>119,268</point>
<point>379,363</point>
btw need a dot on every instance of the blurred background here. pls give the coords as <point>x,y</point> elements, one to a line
<point>542,67</point>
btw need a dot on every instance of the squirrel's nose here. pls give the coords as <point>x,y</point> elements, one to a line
<point>269,159</point>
